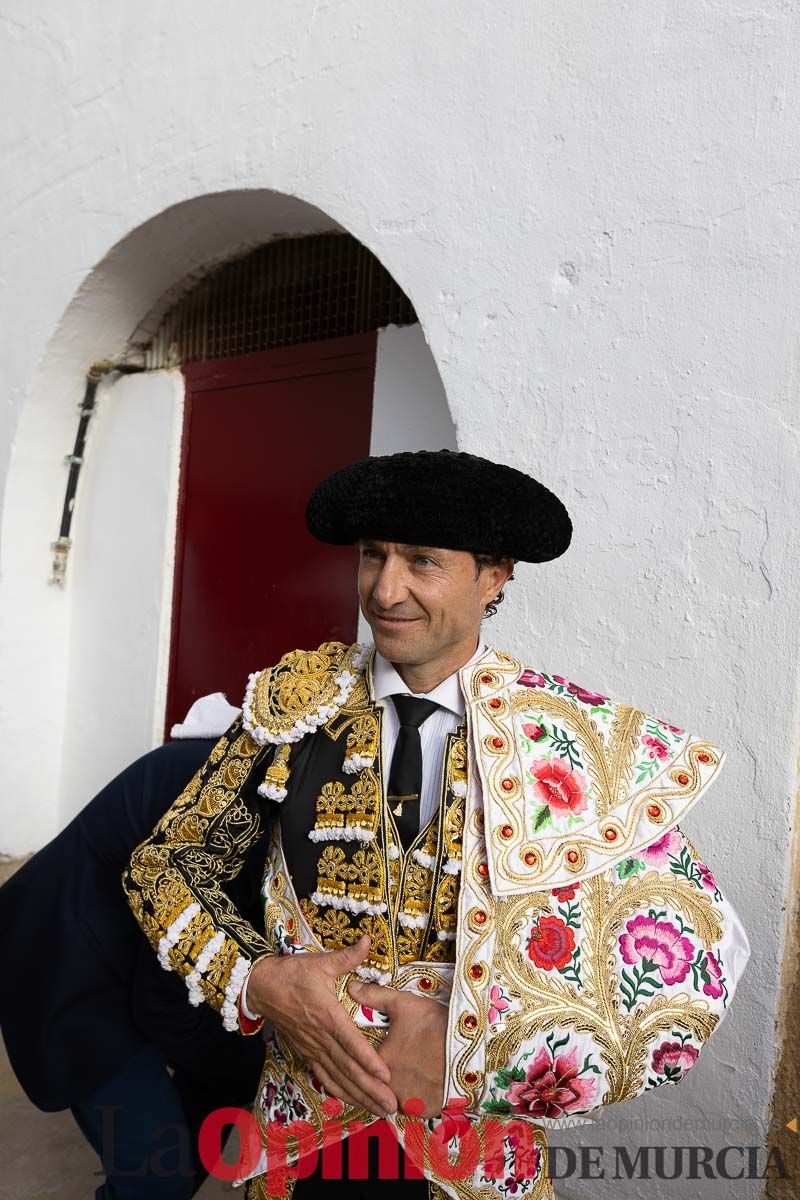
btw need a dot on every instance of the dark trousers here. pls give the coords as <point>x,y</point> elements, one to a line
<point>373,1188</point>
<point>143,1123</point>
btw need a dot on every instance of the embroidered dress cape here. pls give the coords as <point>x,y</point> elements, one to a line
<point>584,949</point>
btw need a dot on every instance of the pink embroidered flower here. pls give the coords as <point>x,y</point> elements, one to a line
<point>706,878</point>
<point>657,853</point>
<point>556,785</point>
<point>565,893</point>
<point>533,731</point>
<point>711,971</point>
<point>498,1004</point>
<point>671,728</point>
<point>676,1056</point>
<point>658,749</point>
<point>552,943</point>
<point>660,943</point>
<point>531,679</point>
<point>580,693</point>
<point>552,1086</point>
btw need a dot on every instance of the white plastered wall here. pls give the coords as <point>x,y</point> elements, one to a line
<point>594,210</point>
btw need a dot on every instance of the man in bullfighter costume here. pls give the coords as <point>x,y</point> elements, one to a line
<point>480,912</point>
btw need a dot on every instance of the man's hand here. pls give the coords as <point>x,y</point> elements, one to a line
<point>297,993</point>
<point>414,1047</point>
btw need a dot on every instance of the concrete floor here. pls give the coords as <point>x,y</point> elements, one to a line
<point>43,1156</point>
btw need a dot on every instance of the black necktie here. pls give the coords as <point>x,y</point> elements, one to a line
<point>405,773</point>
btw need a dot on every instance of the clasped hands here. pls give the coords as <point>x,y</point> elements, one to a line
<point>298,994</point>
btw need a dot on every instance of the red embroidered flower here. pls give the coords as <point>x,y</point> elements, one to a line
<point>560,787</point>
<point>658,749</point>
<point>675,1056</point>
<point>551,943</point>
<point>587,697</point>
<point>566,893</point>
<point>661,944</point>
<point>531,679</point>
<point>552,1086</point>
<point>533,731</point>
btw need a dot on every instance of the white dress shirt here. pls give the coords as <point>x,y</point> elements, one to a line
<point>448,695</point>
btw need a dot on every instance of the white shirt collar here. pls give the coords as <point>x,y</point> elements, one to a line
<point>386,682</point>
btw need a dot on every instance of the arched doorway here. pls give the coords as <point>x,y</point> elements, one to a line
<point>100,648</point>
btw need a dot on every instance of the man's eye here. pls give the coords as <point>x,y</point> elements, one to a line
<point>423,561</point>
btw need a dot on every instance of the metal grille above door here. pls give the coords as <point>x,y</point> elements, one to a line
<point>292,290</point>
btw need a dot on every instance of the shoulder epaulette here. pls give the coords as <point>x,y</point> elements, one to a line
<point>301,692</point>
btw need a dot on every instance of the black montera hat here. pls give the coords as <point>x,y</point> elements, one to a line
<point>441,498</point>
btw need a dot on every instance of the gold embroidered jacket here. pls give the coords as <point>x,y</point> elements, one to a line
<point>585,951</point>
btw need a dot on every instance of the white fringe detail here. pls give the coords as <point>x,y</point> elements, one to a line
<point>173,933</point>
<point>459,788</point>
<point>413,920</point>
<point>445,935</point>
<point>192,980</point>
<point>424,860</point>
<point>272,792</point>
<point>353,906</point>
<point>230,1012</point>
<point>357,762</point>
<point>452,866</point>
<point>345,681</point>
<point>374,975</point>
<point>341,833</point>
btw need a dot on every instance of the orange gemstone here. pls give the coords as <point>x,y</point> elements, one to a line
<point>704,757</point>
<point>498,743</point>
<point>483,869</point>
<point>506,831</point>
<point>610,835</point>
<point>683,778</point>
<point>572,856</point>
<point>476,971</point>
<point>470,1077</point>
<point>469,1021</point>
<point>487,679</point>
<point>479,916</point>
<point>495,703</point>
<point>290,923</point>
<point>530,859</point>
<point>653,811</point>
<point>507,785</point>
<point>425,983</point>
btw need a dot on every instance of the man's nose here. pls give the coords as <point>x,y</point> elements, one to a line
<point>390,587</point>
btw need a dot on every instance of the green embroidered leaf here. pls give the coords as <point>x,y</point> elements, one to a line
<point>543,817</point>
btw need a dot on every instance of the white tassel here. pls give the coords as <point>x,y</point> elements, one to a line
<point>341,833</point>
<point>413,920</point>
<point>353,906</point>
<point>172,936</point>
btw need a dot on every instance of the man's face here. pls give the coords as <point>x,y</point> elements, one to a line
<point>422,602</point>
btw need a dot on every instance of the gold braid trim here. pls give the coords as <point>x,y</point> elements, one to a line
<point>202,839</point>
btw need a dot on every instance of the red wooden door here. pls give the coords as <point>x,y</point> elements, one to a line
<point>250,582</point>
